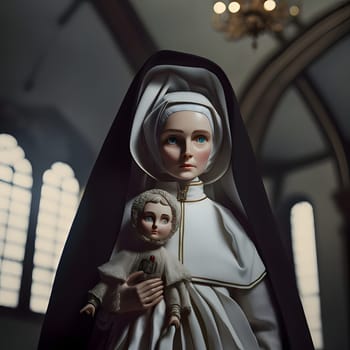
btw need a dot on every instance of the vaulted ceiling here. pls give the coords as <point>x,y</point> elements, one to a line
<point>80,56</point>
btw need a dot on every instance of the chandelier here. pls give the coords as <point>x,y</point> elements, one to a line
<point>252,17</point>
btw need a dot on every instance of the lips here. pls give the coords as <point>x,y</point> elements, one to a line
<point>187,166</point>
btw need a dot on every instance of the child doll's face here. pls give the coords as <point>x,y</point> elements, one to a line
<point>186,142</point>
<point>155,222</point>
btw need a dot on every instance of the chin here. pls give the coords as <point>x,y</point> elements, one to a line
<point>184,176</point>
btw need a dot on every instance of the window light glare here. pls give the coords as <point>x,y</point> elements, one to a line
<point>4,203</point>
<point>23,180</point>
<point>39,289</point>
<point>70,185</point>
<point>69,199</point>
<point>5,189</point>
<point>50,192</point>
<point>2,233</point>
<point>58,251</point>
<point>269,5</point>
<point>6,173</point>
<point>49,206</point>
<point>311,306</point>
<point>45,231</point>
<point>13,251</point>
<point>7,141</point>
<point>38,304</point>
<point>11,267</point>
<point>3,217</point>
<point>309,286</point>
<point>234,7</point>
<point>47,218</point>
<point>18,221</point>
<point>60,241</point>
<point>8,298</point>
<point>62,232</point>
<point>20,195</point>
<point>62,169</point>
<point>317,338</point>
<point>51,178</point>
<point>19,208</point>
<point>16,236</point>
<point>23,166</point>
<point>45,246</point>
<point>56,259</point>
<point>14,155</point>
<point>219,7</point>
<point>42,259</point>
<point>304,250</point>
<point>67,212</point>
<point>44,275</point>
<point>10,282</point>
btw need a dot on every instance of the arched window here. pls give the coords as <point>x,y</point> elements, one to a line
<point>15,201</point>
<point>59,197</point>
<point>305,261</point>
<point>58,203</point>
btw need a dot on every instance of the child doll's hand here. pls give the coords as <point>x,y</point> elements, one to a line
<point>88,309</point>
<point>174,321</point>
<point>136,295</point>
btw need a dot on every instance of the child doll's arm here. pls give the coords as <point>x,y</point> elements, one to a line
<point>174,315</point>
<point>174,321</point>
<point>96,296</point>
<point>173,301</point>
<point>88,309</point>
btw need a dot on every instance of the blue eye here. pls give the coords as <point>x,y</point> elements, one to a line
<point>201,139</point>
<point>164,221</point>
<point>148,218</point>
<point>172,140</point>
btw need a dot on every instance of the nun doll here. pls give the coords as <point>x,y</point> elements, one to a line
<point>179,129</point>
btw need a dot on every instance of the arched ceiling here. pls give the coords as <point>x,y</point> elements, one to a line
<point>80,57</point>
<point>331,73</point>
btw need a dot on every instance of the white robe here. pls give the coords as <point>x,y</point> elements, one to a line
<point>231,308</point>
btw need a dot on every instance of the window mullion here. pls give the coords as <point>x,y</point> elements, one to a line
<point>26,282</point>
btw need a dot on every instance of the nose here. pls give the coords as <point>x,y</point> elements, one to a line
<point>187,152</point>
<point>154,225</point>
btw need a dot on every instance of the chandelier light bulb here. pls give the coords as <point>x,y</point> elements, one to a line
<point>219,7</point>
<point>294,10</point>
<point>234,7</point>
<point>269,5</point>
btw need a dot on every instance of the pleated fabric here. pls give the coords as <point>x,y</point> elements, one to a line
<point>215,322</point>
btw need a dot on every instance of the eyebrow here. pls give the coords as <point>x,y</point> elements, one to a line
<point>181,131</point>
<point>152,213</point>
<point>172,130</point>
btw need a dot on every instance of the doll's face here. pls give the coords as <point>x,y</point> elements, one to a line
<point>155,222</point>
<point>186,142</point>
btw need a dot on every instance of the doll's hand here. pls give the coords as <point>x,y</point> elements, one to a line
<point>140,296</point>
<point>89,309</point>
<point>174,321</point>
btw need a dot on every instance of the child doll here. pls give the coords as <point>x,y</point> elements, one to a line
<point>154,219</point>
